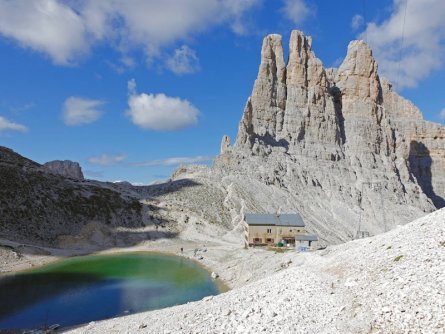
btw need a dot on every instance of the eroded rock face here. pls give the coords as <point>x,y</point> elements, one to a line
<point>339,145</point>
<point>65,168</point>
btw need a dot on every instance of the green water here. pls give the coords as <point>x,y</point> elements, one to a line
<point>87,288</point>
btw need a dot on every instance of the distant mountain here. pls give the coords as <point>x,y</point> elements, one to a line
<point>65,168</point>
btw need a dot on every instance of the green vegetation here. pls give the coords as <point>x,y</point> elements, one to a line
<point>398,258</point>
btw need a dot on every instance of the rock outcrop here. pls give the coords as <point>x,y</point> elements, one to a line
<point>225,145</point>
<point>338,145</point>
<point>65,168</point>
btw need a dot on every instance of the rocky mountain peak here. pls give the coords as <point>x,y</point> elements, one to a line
<point>357,75</point>
<point>359,59</point>
<point>272,65</point>
<point>65,168</point>
<point>304,69</point>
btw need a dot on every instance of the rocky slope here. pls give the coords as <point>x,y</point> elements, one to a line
<point>65,168</point>
<point>39,207</point>
<point>390,283</point>
<point>43,208</point>
<point>338,145</point>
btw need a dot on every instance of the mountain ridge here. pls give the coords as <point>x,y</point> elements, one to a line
<point>43,208</point>
<point>342,135</point>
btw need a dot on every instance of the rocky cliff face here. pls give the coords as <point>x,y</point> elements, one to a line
<point>338,145</point>
<point>65,168</point>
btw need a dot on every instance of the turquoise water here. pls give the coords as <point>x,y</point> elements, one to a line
<point>82,289</point>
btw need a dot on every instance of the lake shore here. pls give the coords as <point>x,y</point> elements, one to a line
<point>234,265</point>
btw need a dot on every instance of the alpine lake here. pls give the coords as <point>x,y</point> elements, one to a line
<point>82,289</point>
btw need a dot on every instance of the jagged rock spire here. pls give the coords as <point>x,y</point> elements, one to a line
<point>303,68</point>
<point>357,75</point>
<point>286,98</point>
<point>268,95</point>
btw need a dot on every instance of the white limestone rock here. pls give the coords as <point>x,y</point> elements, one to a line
<point>225,144</point>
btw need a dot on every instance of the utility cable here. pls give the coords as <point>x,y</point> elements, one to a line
<point>401,45</point>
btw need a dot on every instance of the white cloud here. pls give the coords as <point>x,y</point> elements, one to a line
<point>125,63</point>
<point>296,10</point>
<point>78,111</point>
<point>236,10</point>
<point>442,114</point>
<point>6,125</point>
<point>183,61</point>
<point>357,21</point>
<point>66,29</point>
<point>173,161</point>
<point>46,26</point>
<point>106,159</point>
<point>407,58</point>
<point>21,108</point>
<point>158,111</point>
<point>131,86</point>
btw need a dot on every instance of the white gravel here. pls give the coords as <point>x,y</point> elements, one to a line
<point>390,283</point>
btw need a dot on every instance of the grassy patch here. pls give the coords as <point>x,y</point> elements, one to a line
<point>389,247</point>
<point>398,258</point>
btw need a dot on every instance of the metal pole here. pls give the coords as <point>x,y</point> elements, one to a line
<point>383,208</point>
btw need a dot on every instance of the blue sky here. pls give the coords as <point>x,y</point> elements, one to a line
<point>132,89</point>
